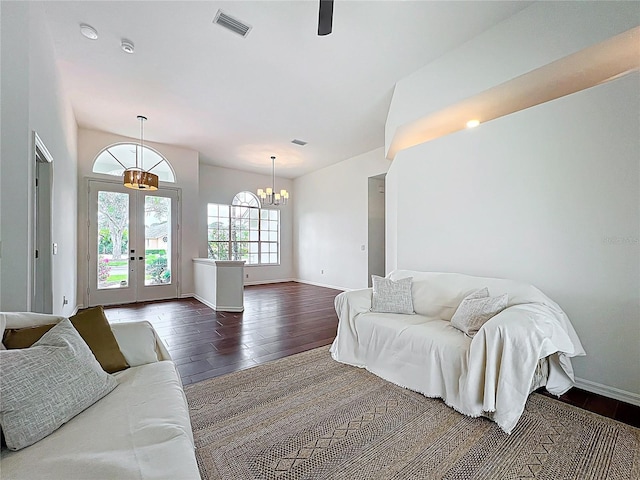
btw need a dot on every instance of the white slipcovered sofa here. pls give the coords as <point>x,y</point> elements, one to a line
<point>527,345</point>
<point>140,430</point>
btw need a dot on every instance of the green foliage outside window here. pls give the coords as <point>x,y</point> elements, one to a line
<point>158,270</point>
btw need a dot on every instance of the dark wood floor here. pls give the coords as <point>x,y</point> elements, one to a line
<point>279,320</point>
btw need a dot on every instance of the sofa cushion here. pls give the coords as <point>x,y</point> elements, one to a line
<point>431,297</point>
<point>476,309</point>
<point>137,342</point>
<point>46,385</point>
<point>141,430</point>
<point>391,296</point>
<point>410,350</point>
<point>93,327</point>
<point>438,294</point>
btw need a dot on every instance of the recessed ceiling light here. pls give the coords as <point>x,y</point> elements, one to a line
<point>88,31</point>
<point>127,46</point>
<point>473,123</point>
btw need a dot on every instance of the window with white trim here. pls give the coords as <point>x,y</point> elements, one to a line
<point>243,231</point>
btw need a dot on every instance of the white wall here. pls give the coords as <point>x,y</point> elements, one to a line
<point>220,185</point>
<point>331,221</point>
<point>32,100</point>
<point>185,165</point>
<point>16,167</point>
<point>534,37</point>
<point>551,196</point>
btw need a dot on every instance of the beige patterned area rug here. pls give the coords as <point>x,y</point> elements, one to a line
<point>309,417</point>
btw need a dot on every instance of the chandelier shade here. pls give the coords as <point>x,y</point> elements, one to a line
<point>269,195</point>
<point>136,177</point>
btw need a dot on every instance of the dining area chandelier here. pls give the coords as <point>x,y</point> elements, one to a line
<point>269,195</point>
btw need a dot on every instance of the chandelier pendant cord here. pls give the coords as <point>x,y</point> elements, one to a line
<point>142,119</point>
<point>136,177</point>
<point>273,175</point>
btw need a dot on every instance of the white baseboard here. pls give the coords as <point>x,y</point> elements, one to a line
<point>217,308</point>
<point>75,310</point>
<point>317,284</point>
<point>607,391</point>
<point>279,280</point>
<point>265,282</point>
<point>187,295</point>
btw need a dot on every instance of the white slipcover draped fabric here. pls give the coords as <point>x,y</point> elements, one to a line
<point>489,375</point>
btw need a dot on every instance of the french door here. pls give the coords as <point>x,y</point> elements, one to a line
<point>133,244</point>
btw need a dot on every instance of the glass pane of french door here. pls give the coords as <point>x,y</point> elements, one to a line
<point>132,244</point>
<point>157,240</point>
<point>158,227</point>
<point>112,254</point>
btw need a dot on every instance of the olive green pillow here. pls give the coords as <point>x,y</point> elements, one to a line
<point>93,327</point>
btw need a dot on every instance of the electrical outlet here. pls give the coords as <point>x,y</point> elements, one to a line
<point>246,275</point>
<point>321,272</point>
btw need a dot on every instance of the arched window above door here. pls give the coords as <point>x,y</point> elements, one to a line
<point>114,159</point>
<point>246,199</point>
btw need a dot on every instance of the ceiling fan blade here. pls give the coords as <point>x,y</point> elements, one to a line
<point>325,17</point>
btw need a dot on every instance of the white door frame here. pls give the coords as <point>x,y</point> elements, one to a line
<point>41,291</point>
<point>134,296</point>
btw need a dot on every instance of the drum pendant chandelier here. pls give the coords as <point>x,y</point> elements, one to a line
<point>136,177</point>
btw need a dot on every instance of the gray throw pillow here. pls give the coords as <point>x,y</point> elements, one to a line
<point>391,297</point>
<point>476,309</point>
<point>47,384</point>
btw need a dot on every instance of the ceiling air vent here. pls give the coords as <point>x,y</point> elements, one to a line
<point>231,23</point>
<point>302,143</point>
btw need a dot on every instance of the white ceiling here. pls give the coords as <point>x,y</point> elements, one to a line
<point>240,100</point>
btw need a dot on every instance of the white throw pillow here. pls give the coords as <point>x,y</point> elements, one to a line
<point>476,309</point>
<point>391,297</point>
<point>47,384</point>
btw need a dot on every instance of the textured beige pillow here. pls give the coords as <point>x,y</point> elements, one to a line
<point>48,384</point>
<point>476,309</point>
<point>391,297</point>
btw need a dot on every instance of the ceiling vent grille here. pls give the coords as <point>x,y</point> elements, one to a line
<point>302,143</point>
<point>230,23</point>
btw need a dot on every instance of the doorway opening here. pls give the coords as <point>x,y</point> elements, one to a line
<point>42,293</point>
<point>376,257</point>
